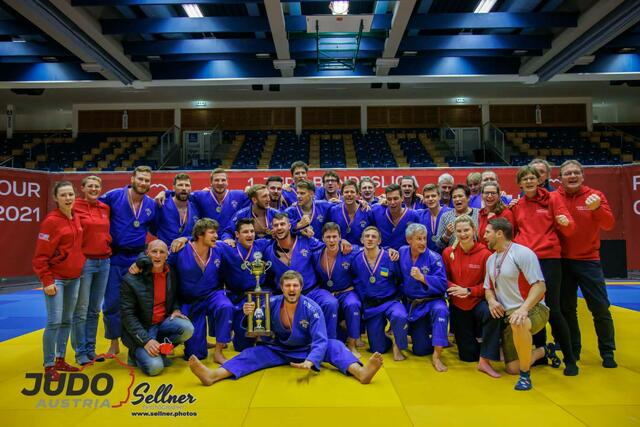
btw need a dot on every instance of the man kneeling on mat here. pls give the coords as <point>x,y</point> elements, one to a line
<point>300,339</point>
<point>151,318</point>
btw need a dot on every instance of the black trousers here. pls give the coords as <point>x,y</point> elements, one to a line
<point>588,276</point>
<point>552,272</point>
<point>477,322</point>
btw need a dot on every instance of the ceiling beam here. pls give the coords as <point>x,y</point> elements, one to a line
<point>475,41</point>
<point>151,2</point>
<point>11,27</point>
<point>443,21</point>
<point>586,22</point>
<point>614,24</point>
<point>279,33</point>
<point>401,15</point>
<point>221,24</point>
<point>31,49</point>
<point>614,63</point>
<point>299,22</point>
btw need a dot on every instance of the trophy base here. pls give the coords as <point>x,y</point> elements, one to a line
<point>255,334</point>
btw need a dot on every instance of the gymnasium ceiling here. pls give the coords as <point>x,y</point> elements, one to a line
<point>153,43</point>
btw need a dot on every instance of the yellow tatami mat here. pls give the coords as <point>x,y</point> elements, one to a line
<point>402,394</point>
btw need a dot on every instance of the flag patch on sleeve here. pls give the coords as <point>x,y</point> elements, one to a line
<point>43,236</point>
<point>384,272</point>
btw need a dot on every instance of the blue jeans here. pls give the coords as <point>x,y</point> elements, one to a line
<point>60,309</point>
<point>85,318</point>
<point>177,331</point>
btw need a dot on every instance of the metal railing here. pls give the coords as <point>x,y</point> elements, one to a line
<point>494,139</point>
<point>169,144</point>
<point>7,163</point>
<point>450,137</point>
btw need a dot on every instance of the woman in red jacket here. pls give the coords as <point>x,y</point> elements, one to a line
<point>539,217</point>
<point>58,262</point>
<point>96,246</point>
<point>465,263</point>
<point>493,207</point>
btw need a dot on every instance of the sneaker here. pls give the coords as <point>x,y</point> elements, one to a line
<point>166,361</point>
<point>95,358</point>
<point>524,382</point>
<point>571,370</point>
<point>609,362</point>
<point>51,374</point>
<point>63,366</point>
<point>550,354</point>
<point>131,361</point>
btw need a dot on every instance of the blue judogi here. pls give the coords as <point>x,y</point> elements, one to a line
<point>320,212</point>
<point>229,231</point>
<point>321,194</point>
<point>415,204</point>
<point>476,201</point>
<point>283,204</point>
<point>167,223</point>
<point>350,232</point>
<point>290,195</point>
<point>392,236</point>
<point>381,301</point>
<point>341,286</point>
<point>425,219</point>
<point>302,262</point>
<point>238,281</point>
<point>202,293</point>
<point>207,205</point>
<point>426,306</point>
<point>127,243</point>
<point>307,340</point>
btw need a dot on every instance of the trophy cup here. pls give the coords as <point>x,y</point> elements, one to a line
<point>259,323</point>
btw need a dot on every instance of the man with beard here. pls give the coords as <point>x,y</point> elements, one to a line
<point>330,187</point>
<point>176,217</point>
<point>376,278</point>
<point>409,186</point>
<point>581,260</point>
<point>300,339</point>
<point>200,288</point>
<point>432,214</point>
<point>276,199</point>
<point>445,184</point>
<point>259,211</point>
<point>368,190</point>
<point>391,220</point>
<point>514,288</point>
<point>308,215</point>
<point>296,252</point>
<point>237,276</point>
<point>350,215</point>
<point>299,172</point>
<point>424,285</point>
<point>132,215</point>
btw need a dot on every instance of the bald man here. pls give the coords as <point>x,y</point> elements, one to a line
<point>150,312</point>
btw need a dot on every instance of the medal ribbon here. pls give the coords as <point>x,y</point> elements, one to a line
<point>377,264</point>
<point>497,266</point>
<point>395,224</point>
<point>215,200</point>
<point>244,259</point>
<point>289,255</point>
<point>345,215</point>
<point>326,263</point>
<point>136,215</point>
<point>203,265</point>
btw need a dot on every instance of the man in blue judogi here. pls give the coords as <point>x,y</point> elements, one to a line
<point>424,284</point>
<point>276,199</point>
<point>376,279</point>
<point>308,213</point>
<point>300,339</point>
<point>392,220</point>
<point>430,217</point>
<point>296,252</point>
<point>132,215</point>
<point>299,172</point>
<point>238,279</point>
<point>197,266</point>
<point>350,215</point>
<point>330,189</point>
<point>259,211</point>
<point>409,188</point>
<point>175,218</point>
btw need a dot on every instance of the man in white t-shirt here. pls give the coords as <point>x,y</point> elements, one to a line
<point>514,289</point>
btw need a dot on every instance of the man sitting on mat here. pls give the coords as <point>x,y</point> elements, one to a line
<point>300,339</point>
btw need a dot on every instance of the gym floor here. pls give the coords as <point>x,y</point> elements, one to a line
<point>403,393</point>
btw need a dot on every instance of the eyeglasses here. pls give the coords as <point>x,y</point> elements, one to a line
<point>570,173</point>
<point>490,193</point>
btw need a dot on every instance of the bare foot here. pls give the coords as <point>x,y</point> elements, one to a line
<point>114,348</point>
<point>204,374</point>
<point>370,369</point>
<point>438,365</point>
<point>485,366</point>
<point>397,354</point>
<point>210,345</point>
<point>219,358</point>
<point>355,352</point>
<point>360,343</point>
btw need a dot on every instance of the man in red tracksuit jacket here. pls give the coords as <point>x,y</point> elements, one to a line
<point>581,260</point>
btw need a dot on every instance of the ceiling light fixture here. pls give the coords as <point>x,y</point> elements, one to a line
<point>339,7</point>
<point>484,6</point>
<point>192,11</point>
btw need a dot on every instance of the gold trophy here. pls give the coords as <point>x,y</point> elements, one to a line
<point>259,323</point>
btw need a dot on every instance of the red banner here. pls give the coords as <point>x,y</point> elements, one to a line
<point>25,195</point>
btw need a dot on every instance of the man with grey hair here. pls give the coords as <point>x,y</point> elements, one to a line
<point>445,184</point>
<point>424,285</point>
<point>544,169</point>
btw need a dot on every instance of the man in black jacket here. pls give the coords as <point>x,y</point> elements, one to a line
<point>150,311</point>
